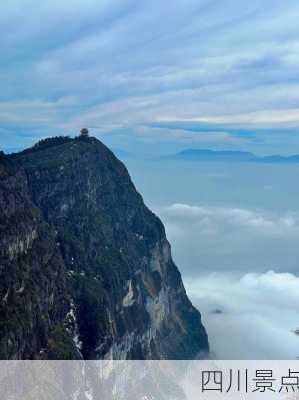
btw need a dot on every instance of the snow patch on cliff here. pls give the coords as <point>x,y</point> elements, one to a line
<point>73,329</point>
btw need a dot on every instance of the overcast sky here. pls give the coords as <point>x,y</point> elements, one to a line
<point>185,73</point>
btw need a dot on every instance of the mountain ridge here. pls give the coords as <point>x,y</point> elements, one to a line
<point>230,155</point>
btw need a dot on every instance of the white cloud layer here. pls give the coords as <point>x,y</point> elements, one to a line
<point>209,238</point>
<point>259,314</point>
<point>236,265</point>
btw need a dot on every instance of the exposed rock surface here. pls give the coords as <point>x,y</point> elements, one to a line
<point>86,269</point>
<point>33,299</point>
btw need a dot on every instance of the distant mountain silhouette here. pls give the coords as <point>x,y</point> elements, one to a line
<point>205,154</point>
<point>230,155</point>
<point>279,159</point>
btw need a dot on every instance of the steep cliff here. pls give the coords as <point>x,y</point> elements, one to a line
<point>33,298</point>
<point>97,259</point>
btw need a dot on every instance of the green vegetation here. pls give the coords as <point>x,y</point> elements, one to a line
<point>53,141</point>
<point>60,345</point>
<point>45,144</point>
<point>91,315</point>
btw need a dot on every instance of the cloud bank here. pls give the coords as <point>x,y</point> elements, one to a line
<point>207,238</point>
<point>259,314</point>
<point>236,264</point>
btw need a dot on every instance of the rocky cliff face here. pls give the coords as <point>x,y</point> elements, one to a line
<point>85,263</point>
<point>33,300</point>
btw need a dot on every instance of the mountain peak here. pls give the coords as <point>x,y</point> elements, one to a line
<point>120,295</point>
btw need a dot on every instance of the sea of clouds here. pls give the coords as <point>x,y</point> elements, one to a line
<point>259,313</point>
<point>210,238</point>
<point>239,266</point>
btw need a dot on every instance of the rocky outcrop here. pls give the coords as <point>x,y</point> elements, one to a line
<point>98,260</point>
